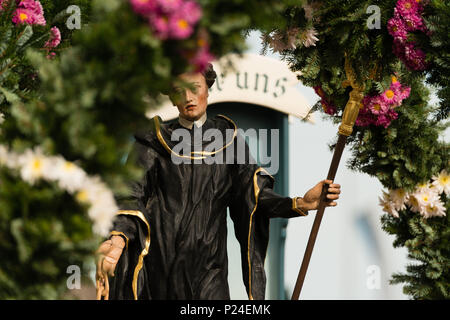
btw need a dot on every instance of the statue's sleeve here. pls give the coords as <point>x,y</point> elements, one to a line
<point>132,201</point>
<point>132,223</point>
<point>253,203</point>
<point>274,205</point>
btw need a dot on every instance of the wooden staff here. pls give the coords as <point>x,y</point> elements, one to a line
<point>345,129</point>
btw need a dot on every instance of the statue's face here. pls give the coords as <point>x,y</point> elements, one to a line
<point>190,101</point>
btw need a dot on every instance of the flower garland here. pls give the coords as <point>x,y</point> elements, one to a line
<point>33,166</point>
<point>425,199</point>
<point>407,18</point>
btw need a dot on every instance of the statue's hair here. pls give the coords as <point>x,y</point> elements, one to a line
<point>210,75</point>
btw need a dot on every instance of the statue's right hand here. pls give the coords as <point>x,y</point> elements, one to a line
<point>108,254</point>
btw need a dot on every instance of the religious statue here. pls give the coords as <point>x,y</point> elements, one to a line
<point>169,238</point>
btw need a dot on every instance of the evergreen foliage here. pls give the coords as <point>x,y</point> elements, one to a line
<point>407,152</point>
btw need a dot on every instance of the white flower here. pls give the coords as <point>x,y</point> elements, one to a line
<point>434,209</point>
<point>387,205</point>
<point>8,159</point>
<point>399,198</point>
<point>413,202</point>
<point>102,204</point>
<point>308,37</point>
<point>279,41</point>
<point>442,182</point>
<point>68,175</point>
<point>34,165</point>
<point>2,117</point>
<point>103,218</point>
<point>292,40</point>
<point>275,41</point>
<point>427,198</point>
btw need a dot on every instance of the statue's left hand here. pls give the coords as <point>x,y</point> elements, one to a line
<point>312,197</point>
<point>108,254</point>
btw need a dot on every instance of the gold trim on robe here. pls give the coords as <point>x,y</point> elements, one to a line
<point>203,153</point>
<point>256,192</point>
<point>144,252</point>
<point>296,209</point>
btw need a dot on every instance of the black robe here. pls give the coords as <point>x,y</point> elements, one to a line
<point>174,219</point>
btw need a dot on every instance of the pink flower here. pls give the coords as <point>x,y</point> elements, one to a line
<point>395,94</point>
<point>389,97</point>
<point>169,6</point>
<point>201,59</point>
<point>169,18</point>
<point>160,25</point>
<point>414,22</point>
<point>414,57</point>
<point>23,16</point>
<point>51,55</point>
<point>3,4</point>
<point>37,12</point>
<point>144,7</point>
<point>407,7</point>
<point>328,107</point>
<point>55,38</point>
<point>397,29</point>
<point>180,28</point>
<point>395,84</point>
<point>383,120</point>
<point>364,118</point>
<point>377,105</point>
<point>191,11</point>
<point>404,93</point>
